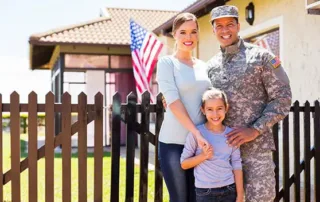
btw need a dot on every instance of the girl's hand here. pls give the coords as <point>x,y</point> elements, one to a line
<point>207,152</point>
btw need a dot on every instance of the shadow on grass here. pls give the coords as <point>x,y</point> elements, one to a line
<point>24,152</point>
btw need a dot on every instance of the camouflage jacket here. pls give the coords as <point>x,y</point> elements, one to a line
<point>257,88</point>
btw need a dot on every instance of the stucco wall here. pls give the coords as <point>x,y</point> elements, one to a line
<point>168,45</point>
<point>208,45</point>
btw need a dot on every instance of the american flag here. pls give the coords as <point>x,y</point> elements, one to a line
<point>269,41</point>
<point>145,48</point>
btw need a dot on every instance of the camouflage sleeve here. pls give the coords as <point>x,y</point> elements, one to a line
<point>277,86</point>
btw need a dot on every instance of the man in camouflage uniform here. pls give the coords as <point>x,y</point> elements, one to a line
<point>259,96</point>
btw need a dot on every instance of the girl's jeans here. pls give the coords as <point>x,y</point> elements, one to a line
<point>221,194</point>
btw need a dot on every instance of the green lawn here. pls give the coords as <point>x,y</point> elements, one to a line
<point>74,177</point>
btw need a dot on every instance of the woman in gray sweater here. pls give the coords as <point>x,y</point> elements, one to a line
<point>182,80</point>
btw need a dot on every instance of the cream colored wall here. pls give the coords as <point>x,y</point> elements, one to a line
<point>208,44</point>
<point>168,45</point>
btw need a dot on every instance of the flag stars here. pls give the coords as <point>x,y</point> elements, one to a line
<point>137,35</point>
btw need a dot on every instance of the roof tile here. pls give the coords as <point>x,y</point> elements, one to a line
<point>112,29</point>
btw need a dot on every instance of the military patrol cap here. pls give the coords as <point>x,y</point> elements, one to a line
<point>223,12</point>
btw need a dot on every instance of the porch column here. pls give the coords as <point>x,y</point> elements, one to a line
<point>95,82</point>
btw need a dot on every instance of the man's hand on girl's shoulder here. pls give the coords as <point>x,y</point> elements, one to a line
<point>239,136</point>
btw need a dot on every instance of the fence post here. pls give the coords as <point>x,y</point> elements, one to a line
<point>296,142</point>
<point>307,153</point>
<point>82,148</point>
<point>66,147</point>
<point>98,146</point>
<point>131,137</point>
<point>286,161</point>
<point>115,147</point>
<point>317,149</point>
<point>158,175</point>
<point>144,146</point>
<point>15,146</point>
<point>275,131</point>
<point>49,147</point>
<point>32,146</point>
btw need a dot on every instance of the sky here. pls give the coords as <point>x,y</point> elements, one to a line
<point>19,19</point>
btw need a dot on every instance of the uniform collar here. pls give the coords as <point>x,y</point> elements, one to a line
<point>232,49</point>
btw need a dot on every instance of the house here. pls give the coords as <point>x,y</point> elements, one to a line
<point>92,57</point>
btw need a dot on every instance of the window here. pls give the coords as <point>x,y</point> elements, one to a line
<point>269,40</point>
<point>74,83</point>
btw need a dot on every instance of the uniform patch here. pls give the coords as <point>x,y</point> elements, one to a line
<point>275,62</point>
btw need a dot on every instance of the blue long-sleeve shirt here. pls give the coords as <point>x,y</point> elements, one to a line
<point>217,171</point>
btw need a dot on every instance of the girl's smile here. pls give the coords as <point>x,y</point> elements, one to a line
<point>215,111</point>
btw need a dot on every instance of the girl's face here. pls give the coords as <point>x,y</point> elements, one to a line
<point>186,36</point>
<point>215,111</point>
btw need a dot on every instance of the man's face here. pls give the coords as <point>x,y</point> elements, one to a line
<point>226,30</point>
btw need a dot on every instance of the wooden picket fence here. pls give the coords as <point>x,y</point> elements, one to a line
<point>128,113</point>
<point>292,171</point>
<point>295,131</point>
<point>86,114</point>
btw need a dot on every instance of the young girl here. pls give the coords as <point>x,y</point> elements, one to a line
<point>218,169</point>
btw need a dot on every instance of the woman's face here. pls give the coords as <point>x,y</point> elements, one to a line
<point>186,36</point>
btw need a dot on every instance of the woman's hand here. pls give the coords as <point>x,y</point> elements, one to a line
<point>202,142</point>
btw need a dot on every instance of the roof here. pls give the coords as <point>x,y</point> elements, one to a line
<point>112,29</point>
<point>199,8</point>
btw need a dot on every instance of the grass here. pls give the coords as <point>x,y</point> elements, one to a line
<point>74,177</point>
